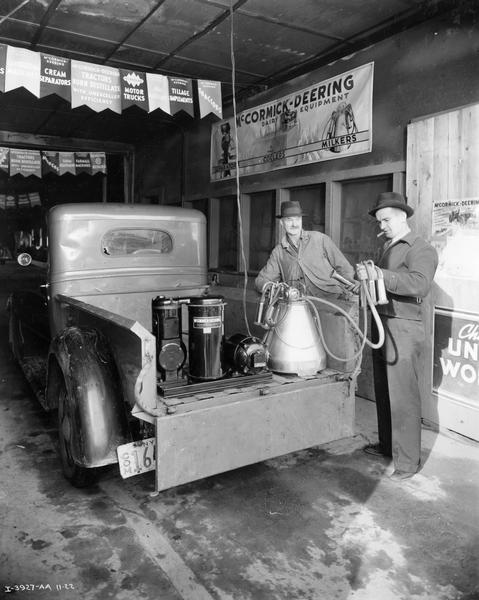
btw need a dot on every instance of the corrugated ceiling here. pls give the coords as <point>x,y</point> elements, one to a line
<point>274,40</point>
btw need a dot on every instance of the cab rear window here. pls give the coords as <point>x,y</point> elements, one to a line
<point>131,242</point>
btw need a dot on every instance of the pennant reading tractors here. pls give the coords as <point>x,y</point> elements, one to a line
<point>327,120</point>
<point>100,87</point>
<point>15,161</point>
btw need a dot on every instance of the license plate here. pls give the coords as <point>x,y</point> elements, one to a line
<point>136,457</point>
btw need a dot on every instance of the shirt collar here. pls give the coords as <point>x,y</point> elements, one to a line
<point>408,238</point>
<point>285,240</point>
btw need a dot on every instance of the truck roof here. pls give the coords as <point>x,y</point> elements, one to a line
<point>113,210</point>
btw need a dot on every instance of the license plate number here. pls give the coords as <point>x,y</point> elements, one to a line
<point>136,457</point>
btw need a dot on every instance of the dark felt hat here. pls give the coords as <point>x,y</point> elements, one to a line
<point>391,200</point>
<point>291,208</point>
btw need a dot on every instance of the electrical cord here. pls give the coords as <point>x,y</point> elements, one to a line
<point>238,193</point>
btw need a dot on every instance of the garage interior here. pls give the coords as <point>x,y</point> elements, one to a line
<point>317,524</point>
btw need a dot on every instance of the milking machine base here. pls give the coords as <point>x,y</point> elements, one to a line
<point>210,431</point>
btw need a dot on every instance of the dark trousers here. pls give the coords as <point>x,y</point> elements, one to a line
<point>398,402</point>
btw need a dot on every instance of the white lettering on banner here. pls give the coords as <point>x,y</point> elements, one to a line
<point>464,349</point>
<point>469,373</point>
<point>55,73</point>
<point>209,99</point>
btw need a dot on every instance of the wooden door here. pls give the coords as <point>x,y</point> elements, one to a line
<point>442,183</point>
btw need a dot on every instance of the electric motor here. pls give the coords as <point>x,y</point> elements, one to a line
<point>245,354</point>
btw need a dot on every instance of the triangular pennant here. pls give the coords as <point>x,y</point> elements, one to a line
<point>82,163</point>
<point>55,76</point>
<point>181,95</point>
<point>67,162</point>
<point>158,92</point>
<point>50,162</point>
<point>22,70</point>
<point>3,66</point>
<point>134,90</point>
<point>96,86</point>
<point>209,98</point>
<point>98,162</point>
<point>5,160</point>
<point>25,162</point>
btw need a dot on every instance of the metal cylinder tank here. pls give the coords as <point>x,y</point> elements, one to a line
<point>294,344</point>
<point>205,337</point>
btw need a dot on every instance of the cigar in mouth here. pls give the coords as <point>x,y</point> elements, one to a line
<point>380,234</point>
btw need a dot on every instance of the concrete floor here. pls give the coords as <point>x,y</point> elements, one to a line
<point>322,524</point>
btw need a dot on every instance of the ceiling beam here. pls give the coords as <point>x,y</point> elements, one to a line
<point>214,23</point>
<point>132,31</point>
<point>44,23</point>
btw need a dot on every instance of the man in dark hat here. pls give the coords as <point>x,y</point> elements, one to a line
<point>304,259</point>
<point>408,264</point>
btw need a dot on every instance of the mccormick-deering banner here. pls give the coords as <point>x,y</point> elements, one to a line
<point>327,120</point>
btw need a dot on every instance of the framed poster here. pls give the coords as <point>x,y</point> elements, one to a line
<point>456,355</point>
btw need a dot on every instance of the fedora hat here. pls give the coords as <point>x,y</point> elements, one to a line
<point>391,200</point>
<point>290,208</point>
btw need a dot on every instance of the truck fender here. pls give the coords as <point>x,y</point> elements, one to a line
<point>82,361</point>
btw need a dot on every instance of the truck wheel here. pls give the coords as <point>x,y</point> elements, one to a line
<point>77,475</point>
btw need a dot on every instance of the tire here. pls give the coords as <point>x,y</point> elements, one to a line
<point>15,336</point>
<point>77,475</point>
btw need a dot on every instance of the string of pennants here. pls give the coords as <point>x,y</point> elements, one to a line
<point>15,161</point>
<point>100,87</point>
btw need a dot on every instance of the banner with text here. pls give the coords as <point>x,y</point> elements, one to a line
<point>15,161</point>
<point>100,87</point>
<point>327,120</point>
<point>456,355</point>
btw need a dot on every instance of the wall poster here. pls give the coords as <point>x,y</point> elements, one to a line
<point>456,355</point>
<point>330,119</point>
<point>455,235</point>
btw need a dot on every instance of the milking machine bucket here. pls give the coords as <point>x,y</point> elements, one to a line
<point>292,339</point>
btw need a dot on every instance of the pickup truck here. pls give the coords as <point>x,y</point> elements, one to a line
<point>85,341</point>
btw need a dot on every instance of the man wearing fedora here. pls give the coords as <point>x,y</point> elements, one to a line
<point>304,259</point>
<point>408,264</point>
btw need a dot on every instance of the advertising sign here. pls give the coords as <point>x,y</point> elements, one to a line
<point>456,355</point>
<point>97,86</point>
<point>327,120</point>
<point>455,234</point>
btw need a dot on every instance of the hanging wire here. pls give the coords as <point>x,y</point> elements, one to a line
<point>238,195</point>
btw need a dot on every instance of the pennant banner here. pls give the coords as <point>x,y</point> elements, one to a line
<point>66,163</point>
<point>55,77</point>
<point>158,92</point>
<point>3,66</point>
<point>209,97</point>
<point>23,69</point>
<point>96,86</point>
<point>100,87</point>
<point>330,119</point>
<point>14,161</point>
<point>5,161</point>
<point>134,89</point>
<point>181,95</point>
<point>25,162</point>
<point>50,162</point>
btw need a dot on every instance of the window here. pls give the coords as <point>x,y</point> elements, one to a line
<point>262,229</point>
<point>358,229</point>
<point>312,200</point>
<point>228,237</point>
<point>123,242</point>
